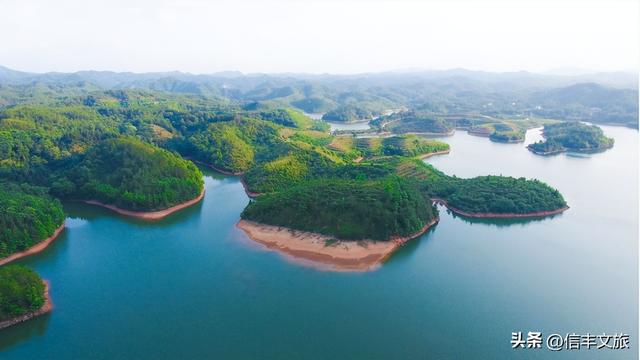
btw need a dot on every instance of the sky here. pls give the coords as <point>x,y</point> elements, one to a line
<point>311,36</point>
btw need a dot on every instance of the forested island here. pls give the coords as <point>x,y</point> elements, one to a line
<point>571,136</point>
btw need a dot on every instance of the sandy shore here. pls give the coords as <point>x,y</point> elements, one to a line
<point>46,307</point>
<point>34,249</point>
<point>148,215</point>
<point>324,250</point>
<point>500,215</point>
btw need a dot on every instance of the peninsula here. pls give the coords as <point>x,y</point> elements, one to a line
<point>148,215</point>
<point>342,224</point>
<point>23,295</point>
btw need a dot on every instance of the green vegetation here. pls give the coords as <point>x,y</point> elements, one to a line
<point>120,147</point>
<point>28,215</point>
<point>130,174</point>
<point>346,209</point>
<point>483,194</point>
<point>403,145</point>
<point>348,113</point>
<point>612,98</point>
<point>414,122</point>
<point>508,136</point>
<point>571,136</point>
<point>293,118</point>
<point>21,291</point>
<point>235,146</point>
<point>500,131</point>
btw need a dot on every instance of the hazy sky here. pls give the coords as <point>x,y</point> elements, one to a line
<point>318,36</point>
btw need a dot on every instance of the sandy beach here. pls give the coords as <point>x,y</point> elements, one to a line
<point>46,307</point>
<point>148,215</point>
<point>336,255</point>
<point>34,249</point>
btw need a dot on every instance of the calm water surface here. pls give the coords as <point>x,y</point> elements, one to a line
<point>193,287</point>
<point>360,125</point>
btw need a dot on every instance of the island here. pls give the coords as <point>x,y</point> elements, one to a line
<point>23,295</point>
<point>571,136</point>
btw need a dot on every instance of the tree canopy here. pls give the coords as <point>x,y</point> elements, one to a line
<point>130,174</point>
<point>28,215</point>
<point>21,291</point>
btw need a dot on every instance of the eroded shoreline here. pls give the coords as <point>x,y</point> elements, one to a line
<point>325,250</point>
<point>34,249</point>
<point>149,215</point>
<point>45,308</point>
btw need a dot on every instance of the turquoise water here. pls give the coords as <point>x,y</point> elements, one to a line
<point>193,287</point>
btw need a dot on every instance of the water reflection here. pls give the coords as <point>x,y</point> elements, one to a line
<point>28,330</point>
<point>498,222</point>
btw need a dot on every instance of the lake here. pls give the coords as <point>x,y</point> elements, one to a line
<point>192,286</point>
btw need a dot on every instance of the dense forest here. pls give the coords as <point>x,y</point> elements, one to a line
<point>483,194</point>
<point>21,291</point>
<point>347,209</point>
<point>130,174</point>
<point>348,113</point>
<point>414,122</point>
<point>571,136</point>
<point>126,148</point>
<point>28,215</point>
<point>600,98</point>
<point>403,145</point>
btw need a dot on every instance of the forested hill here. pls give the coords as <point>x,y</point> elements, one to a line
<point>347,209</point>
<point>21,291</point>
<point>601,98</point>
<point>28,215</point>
<point>133,149</point>
<point>130,174</point>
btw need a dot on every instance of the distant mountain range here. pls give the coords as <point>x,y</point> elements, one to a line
<point>599,97</point>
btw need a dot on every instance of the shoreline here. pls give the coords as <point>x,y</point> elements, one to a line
<point>479,133</point>
<point>224,172</point>
<point>45,308</point>
<point>40,246</point>
<point>314,248</point>
<point>566,150</point>
<point>249,193</point>
<point>517,141</point>
<point>428,155</point>
<point>499,215</point>
<point>148,215</point>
